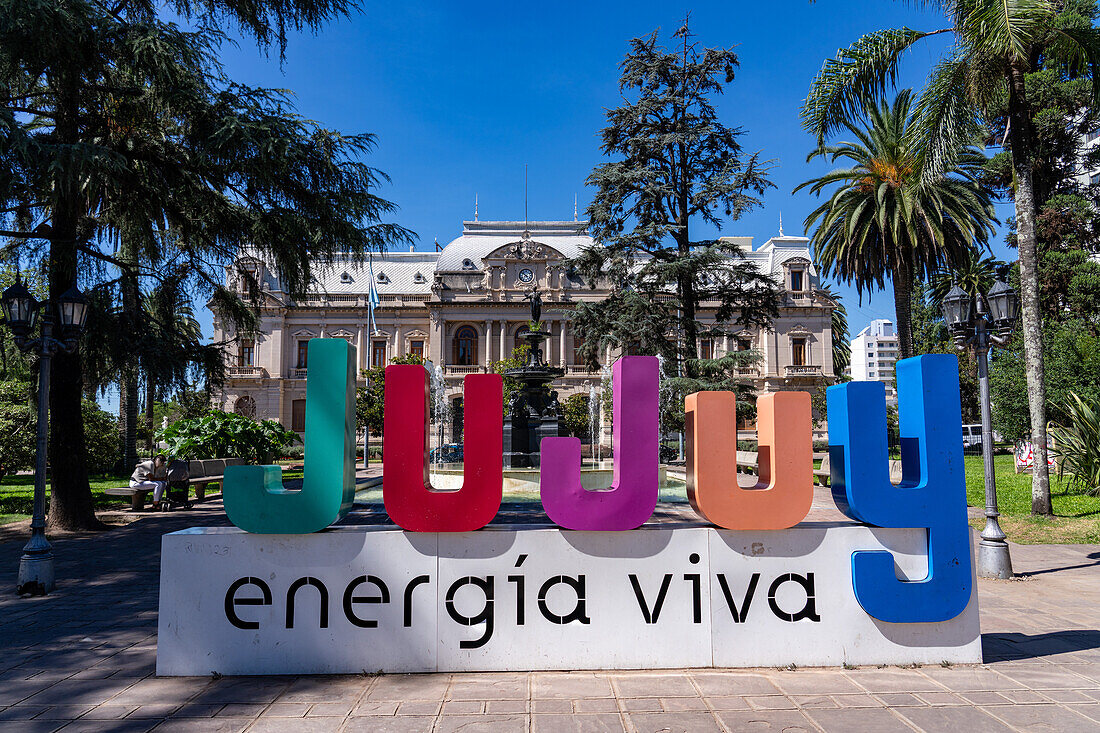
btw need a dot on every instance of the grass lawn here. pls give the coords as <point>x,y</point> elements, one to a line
<point>17,495</point>
<point>1076,515</point>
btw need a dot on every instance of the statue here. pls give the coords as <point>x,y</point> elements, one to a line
<point>536,304</point>
<point>534,410</point>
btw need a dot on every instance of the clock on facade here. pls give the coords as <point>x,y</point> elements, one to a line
<point>526,276</point>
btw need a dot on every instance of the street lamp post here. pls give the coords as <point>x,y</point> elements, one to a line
<point>21,311</point>
<point>987,321</point>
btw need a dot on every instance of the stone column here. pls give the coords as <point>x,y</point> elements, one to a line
<point>503,340</point>
<point>362,356</point>
<point>435,338</point>
<point>561,342</point>
<point>488,342</point>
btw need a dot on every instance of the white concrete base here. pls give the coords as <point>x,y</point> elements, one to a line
<point>529,598</point>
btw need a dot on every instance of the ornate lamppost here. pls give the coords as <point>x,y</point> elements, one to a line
<point>986,321</point>
<point>21,312</point>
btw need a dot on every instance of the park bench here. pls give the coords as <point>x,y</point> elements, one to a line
<point>199,474</point>
<point>821,475</point>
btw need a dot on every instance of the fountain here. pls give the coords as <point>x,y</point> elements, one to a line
<point>532,415</point>
<point>533,412</point>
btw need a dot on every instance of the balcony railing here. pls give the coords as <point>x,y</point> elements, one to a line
<point>580,370</point>
<point>748,371</point>
<point>456,369</point>
<point>246,372</point>
<point>803,370</point>
<point>298,373</point>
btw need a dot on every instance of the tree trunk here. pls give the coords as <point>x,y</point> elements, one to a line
<point>1019,142</point>
<point>150,394</point>
<point>70,495</point>
<point>903,307</point>
<point>128,385</point>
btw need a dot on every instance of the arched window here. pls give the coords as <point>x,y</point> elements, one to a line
<point>245,406</point>
<point>464,347</point>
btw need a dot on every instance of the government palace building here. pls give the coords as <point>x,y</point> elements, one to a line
<point>463,307</point>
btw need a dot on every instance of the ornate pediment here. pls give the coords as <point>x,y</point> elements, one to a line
<point>800,331</point>
<point>525,249</point>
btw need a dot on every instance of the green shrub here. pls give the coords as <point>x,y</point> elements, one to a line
<point>219,434</point>
<point>1077,442</point>
<point>18,422</point>
<point>575,416</point>
<point>102,442</point>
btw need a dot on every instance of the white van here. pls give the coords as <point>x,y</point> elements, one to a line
<point>972,436</point>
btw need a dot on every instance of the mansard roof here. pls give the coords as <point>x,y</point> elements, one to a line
<point>414,272</point>
<point>394,272</point>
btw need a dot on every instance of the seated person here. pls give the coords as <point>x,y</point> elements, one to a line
<point>153,475</point>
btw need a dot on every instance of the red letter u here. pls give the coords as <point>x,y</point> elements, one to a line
<point>407,492</point>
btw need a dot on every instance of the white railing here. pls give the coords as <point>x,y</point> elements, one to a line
<point>580,370</point>
<point>298,373</point>
<point>246,372</point>
<point>450,369</point>
<point>803,370</point>
<point>748,371</point>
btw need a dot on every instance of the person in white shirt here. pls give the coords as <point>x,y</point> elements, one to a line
<point>151,475</point>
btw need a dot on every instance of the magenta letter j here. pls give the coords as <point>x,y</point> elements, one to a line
<point>633,494</point>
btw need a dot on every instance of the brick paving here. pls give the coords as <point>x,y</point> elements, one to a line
<point>82,659</point>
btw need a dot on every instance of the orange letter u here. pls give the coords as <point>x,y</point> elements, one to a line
<point>782,496</point>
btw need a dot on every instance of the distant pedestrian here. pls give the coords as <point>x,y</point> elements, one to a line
<point>151,475</point>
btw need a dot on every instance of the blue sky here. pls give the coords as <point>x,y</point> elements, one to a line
<point>463,95</point>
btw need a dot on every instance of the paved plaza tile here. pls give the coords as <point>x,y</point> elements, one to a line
<point>82,659</point>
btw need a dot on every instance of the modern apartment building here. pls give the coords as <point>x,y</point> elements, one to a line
<point>874,351</point>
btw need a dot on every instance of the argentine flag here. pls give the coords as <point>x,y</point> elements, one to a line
<point>372,294</point>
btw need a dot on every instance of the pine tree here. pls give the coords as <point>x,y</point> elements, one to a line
<point>675,165</point>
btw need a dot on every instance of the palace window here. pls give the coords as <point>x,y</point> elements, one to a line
<point>303,354</point>
<point>457,415</point>
<point>798,352</point>
<point>464,347</point>
<point>796,281</point>
<point>245,406</point>
<point>744,343</point>
<point>416,348</point>
<point>298,416</point>
<point>706,348</point>
<point>378,353</point>
<point>578,344</point>
<point>246,353</point>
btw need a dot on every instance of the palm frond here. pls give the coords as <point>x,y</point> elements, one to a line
<point>1005,28</point>
<point>946,123</point>
<point>858,73</point>
<point>1081,46</point>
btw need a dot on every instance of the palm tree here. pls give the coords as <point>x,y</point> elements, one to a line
<point>842,345</point>
<point>974,274</point>
<point>996,44</point>
<point>884,219</point>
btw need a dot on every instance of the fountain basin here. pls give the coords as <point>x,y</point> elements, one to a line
<point>526,480</point>
<point>522,484</point>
